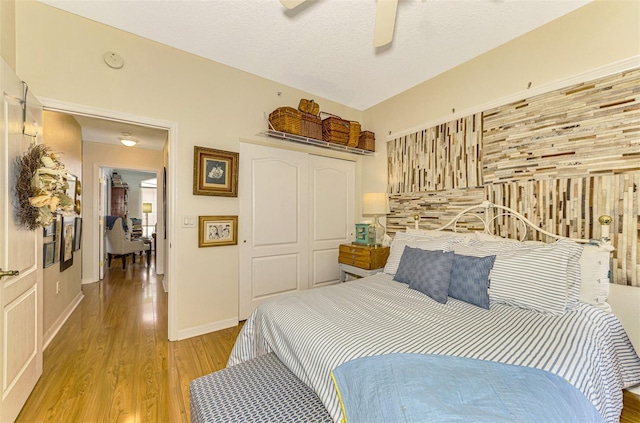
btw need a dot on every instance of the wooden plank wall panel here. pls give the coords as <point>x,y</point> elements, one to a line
<point>571,207</point>
<point>585,129</point>
<point>562,159</point>
<point>443,157</point>
<point>434,208</point>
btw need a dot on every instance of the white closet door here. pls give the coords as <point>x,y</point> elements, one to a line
<point>273,223</point>
<point>331,219</point>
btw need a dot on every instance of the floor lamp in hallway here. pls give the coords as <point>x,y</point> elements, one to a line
<point>146,209</point>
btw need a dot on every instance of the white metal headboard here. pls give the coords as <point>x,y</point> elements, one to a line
<point>488,218</point>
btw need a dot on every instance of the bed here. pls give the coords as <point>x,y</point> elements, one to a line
<point>533,316</point>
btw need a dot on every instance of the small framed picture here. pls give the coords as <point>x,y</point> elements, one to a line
<point>51,229</point>
<point>214,231</point>
<point>58,219</point>
<point>215,172</point>
<point>77,239</point>
<point>48,253</point>
<point>66,249</point>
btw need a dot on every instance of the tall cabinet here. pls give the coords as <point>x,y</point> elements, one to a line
<point>119,199</point>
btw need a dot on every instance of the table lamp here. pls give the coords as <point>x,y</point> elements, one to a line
<point>146,209</point>
<point>376,203</point>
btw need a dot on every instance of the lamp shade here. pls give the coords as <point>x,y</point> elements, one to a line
<point>375,203</point>
<point>146,208</point>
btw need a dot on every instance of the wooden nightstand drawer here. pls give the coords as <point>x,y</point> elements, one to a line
<point>363,256</point>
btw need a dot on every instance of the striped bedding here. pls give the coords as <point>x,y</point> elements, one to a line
<point>314,331</point>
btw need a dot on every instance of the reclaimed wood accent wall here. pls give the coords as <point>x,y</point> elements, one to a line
<point>440,158</point>
<point>571,207</point>
<point>589,128</point>
<point>562,159</point>
<point>435,208</point>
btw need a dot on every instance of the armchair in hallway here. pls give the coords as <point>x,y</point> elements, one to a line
<point>119,246</point>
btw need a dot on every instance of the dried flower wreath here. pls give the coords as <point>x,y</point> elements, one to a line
<point>41,187</point>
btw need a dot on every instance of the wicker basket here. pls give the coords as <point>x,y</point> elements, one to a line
<point>354,134</point>
<point>286,119</point>
<point>335,130</point>
<point>311,126</point>
<point>367,141</point>
<point>309,106</point>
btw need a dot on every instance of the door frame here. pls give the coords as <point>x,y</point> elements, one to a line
<point>171,197</point>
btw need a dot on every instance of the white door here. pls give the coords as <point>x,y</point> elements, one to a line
<point>273,224</point>
<point>21,295</point>
<point>331,219</point>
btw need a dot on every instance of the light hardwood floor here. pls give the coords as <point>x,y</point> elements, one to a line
<point>111,361</point>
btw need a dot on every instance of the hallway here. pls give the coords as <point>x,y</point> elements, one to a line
<point>111,360</point>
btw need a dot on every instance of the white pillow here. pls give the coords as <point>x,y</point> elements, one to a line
<point>398,244</point>
<point>481,236</point>
<point>595,271</point>
<point>431,233</point>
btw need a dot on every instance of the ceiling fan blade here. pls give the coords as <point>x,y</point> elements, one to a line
<point>385,22</point>
<point>290,4</point>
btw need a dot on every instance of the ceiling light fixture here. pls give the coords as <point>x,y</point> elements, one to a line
<point>126,139</point>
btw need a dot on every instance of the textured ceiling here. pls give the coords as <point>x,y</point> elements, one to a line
<point>325,47</point>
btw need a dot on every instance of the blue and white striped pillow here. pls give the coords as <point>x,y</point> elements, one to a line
<point>535,277</point>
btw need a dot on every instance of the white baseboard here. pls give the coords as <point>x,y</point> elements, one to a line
<point>208,328</point>
<point>164,285</point>
<point>57,325</point>
<point>86,281</point>
<point>635,389</point>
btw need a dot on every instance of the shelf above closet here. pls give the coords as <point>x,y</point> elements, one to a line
<point>312,141</point>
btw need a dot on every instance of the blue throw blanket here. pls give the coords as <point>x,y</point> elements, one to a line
<point>111,220</point>
<point>437,388</point>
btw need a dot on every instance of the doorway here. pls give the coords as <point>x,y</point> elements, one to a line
<point>132,194</point>
<point>169,177</point>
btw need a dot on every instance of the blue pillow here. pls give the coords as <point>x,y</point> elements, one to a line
<point>470,279</point>
<point>426,271</point>
<point>408,261</point>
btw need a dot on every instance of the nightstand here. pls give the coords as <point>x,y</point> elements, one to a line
<point>361,260</point>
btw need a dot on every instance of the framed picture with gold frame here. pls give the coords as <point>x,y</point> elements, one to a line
<point>66,242</point>
<point>215,172</point>
<point>214,231</point>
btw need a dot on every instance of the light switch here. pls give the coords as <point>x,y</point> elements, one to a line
<point>188,221</point>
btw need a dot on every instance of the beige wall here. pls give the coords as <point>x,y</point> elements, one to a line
<point>96,155</point>
<point>8,32</point>
<point>60,55</point>
<point>63,134</point>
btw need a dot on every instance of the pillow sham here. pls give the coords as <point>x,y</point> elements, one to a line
<point>428,272</point>
<point>470,279</point>
<point>398,245</point>
<point>595,272</point>
<point>535,277</point>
